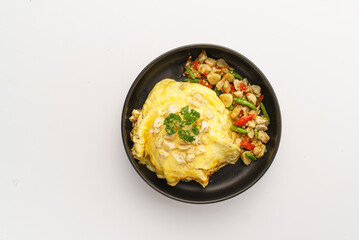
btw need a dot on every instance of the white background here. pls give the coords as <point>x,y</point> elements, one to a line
<point>66,67</point>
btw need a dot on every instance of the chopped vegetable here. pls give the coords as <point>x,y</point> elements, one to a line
<point>242,86</point>
<point>195,129</point>
<point>251,156</point>
<point>195,63</point>
<point>185,135</point>
<point>230,108</point>
<point>239,130</point>
<point>204,83</point>
<point>240,122</point>
<point>192,80</point>
<point>216,91</point>
<point>236,75</point>
<point>247,145</point>
<point>255,133</point>
<point>189,116</point>
<point>189,72</point>
<point>265,114</point>
<point>244,102</point>
<point>174,123</point>
<point>233,90</point>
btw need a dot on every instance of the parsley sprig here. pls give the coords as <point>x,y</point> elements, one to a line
<point>176,122</point>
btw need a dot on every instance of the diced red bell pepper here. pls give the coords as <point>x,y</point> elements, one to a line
<point>232,87</point>
<point>242,86</point>
<point>204,83</point>
<point>205,73</point>
<point>195,63</point>
<point>240,122</point>
<point>247,145</point>
<point>261,98</point>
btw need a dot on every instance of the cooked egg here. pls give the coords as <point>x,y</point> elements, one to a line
<point>171,157</point>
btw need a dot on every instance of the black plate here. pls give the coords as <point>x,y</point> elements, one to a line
<point>230,180</point>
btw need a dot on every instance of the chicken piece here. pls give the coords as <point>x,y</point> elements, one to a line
<point>228,77</point>
<point>200,149</point>
<point>245,110</point>
<point>238,142</point>
<point>251,97</point>
<point>235,112</point>
<point>256,90</point>
<point>261,120</point>
<point>219,85</point>
<point>251,133</point>
<point>246,160</point>
<point>208,114</point>
<point>178,157</point>
<point>197,97</point>
<point>173,109</point>
<point>226,87</point>
<point>183,147</point>
<point>221,63</point>
<point>261,127</point>
<point>202,56</point>
<point>168,146</point>
<point>204,68</point>
<point>236,84</point>
<point>205,127</point>
<point>195,104</point>
<point>135,115</point>
<point>263,136</point>
<point>238,94</point>
<point>169,137</point>
<point>259,151</point>
<point>163,153</point>
<point>250,124</point>
<point>211,62</point>
<point>158,143</point>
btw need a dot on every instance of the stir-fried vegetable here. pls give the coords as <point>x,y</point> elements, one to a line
<point>264,110</point>
<point>204,83</point>
<point>230,108</point>
<point>195,63</point>
<point>251,156</point>
<point>244,102</point>
<point>190,73</point>
<point>236,75</point>
<point>238,129</point>
<point>242,86</point>
<point>240,122</point>
<point>247,145</point>
<point>192,80</point>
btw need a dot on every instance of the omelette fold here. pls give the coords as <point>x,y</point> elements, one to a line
<point>171,157</point>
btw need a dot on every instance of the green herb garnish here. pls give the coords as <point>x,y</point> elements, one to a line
<point>186,117</point>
